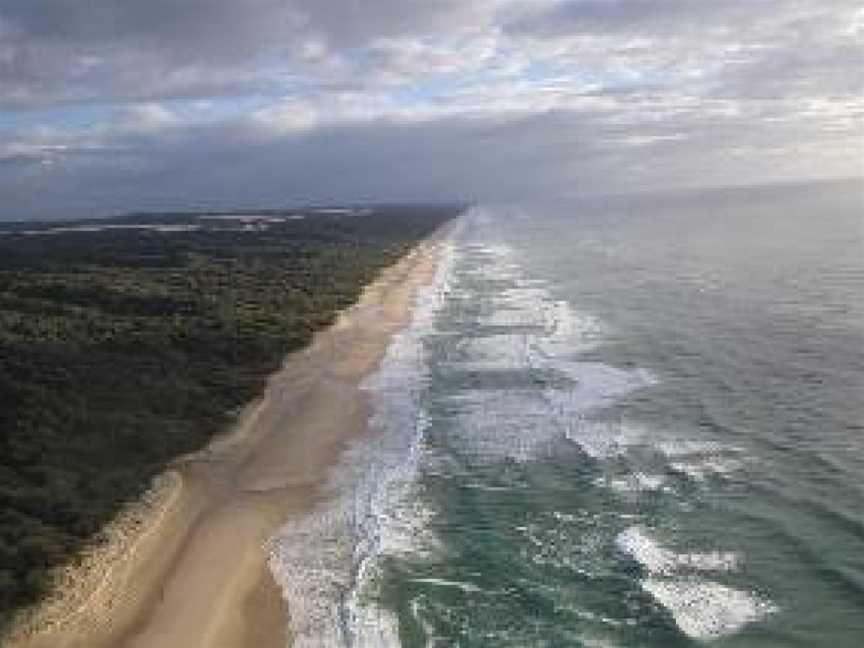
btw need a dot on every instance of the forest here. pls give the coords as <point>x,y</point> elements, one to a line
<point>127,342</point>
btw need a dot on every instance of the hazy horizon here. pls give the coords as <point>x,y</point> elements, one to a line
<point>853,185</point>
<point>113,107</point>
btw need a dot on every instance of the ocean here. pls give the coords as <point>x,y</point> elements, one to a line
<point>630,421</point>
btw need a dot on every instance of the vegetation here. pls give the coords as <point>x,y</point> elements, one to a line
<point>122,348</point>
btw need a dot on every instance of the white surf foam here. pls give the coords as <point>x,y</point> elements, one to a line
<point>501,424</point>
<point>677,447</point>
<point>441,582</point>
<point>700,469</point>
<point>503,351</point>
<point>327,562</point>
<point>570,332</point>
<point>529,303</point>
<point>602,439</point>
<point>638,544</point>
<point>701,608</point>
<point>535,333</point>
<point>521,423</point>
<point>636,482</point>
<point>707,610</point>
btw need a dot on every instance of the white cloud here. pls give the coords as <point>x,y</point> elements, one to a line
<point>487,97</point>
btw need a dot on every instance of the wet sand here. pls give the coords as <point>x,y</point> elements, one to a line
<point>194,573</point>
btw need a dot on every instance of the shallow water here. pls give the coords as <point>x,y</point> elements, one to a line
<point>623,423</point>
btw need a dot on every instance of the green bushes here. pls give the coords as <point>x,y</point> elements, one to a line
<point>125,348</point>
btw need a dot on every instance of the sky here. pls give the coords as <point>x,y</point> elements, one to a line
<point>118,105</point>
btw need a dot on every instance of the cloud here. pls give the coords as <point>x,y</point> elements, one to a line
<point>65,50</point>
<point>513,156</point>
<point>115,105</point>
<point>743,48</point>
<point>653,16</point>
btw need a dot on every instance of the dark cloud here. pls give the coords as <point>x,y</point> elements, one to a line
<point>654,16</point>
<point>66,50</point>
<point>232,164</point>
<point>553,153</point>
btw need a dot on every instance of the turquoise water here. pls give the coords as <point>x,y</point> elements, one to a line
<point>628,422</point>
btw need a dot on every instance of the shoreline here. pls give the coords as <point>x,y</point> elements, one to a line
<point>188,565</point>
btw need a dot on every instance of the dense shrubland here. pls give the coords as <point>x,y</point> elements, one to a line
<point>121,349</point>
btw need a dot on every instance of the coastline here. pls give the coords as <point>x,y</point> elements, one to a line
<point>188,567</point>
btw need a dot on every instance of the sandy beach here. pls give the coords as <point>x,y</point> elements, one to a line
<point>189,568</point>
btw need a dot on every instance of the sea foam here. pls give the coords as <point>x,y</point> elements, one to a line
<point>701,608</point>
<point>638,544</point>
<point>707,610</point>
<point>326,562</point>
<point>521,384</point>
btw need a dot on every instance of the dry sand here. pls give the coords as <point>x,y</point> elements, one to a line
<point>193,571</point>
